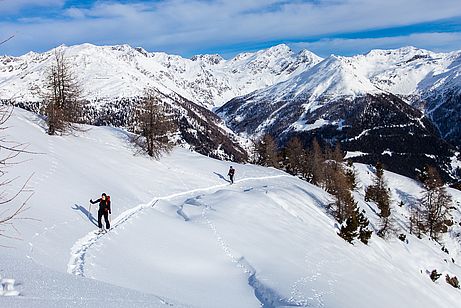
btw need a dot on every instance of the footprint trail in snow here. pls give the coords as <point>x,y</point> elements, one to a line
<point>76,264</point>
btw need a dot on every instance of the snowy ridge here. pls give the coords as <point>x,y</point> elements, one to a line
<point>426,80</point>
<point>115,72</point>
<point>123,72</point>
<point>272,78</point>
<point>407,71</point>
<point>333,78</point>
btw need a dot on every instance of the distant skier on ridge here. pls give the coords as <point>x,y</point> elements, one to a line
<point>104,210</point>
<point>231,174</point>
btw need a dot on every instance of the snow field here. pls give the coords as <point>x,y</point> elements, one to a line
<point>181,232</point>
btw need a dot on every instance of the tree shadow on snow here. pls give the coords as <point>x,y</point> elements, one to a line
<point>82,209</point>
<point>221,177</point>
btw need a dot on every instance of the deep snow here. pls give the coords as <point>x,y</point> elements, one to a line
<point>182,235</point>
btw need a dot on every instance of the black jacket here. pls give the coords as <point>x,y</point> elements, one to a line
<point>104,205</point>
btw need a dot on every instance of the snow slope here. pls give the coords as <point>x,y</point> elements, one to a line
<point>411,71</point>
<point>182,234</point>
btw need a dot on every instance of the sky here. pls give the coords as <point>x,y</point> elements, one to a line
<point>228,27</point>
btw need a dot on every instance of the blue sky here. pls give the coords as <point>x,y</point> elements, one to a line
<point>189,27</point>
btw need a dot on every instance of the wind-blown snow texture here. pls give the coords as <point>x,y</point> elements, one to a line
<point>183,236</point>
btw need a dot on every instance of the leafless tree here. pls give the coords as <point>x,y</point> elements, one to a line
<point>267,151</point>
<point>152,125</point>
<point>417,225</point>
<point>379,193</point>
<point>295,156</point>
<point>12,205</point>
<point>317,161</point>
<point>436,203</point>
<point>61,96</point>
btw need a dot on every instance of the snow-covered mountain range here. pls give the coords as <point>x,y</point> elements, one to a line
<point>122,72</point>
<point>405,102</point>
<point>411,93</point>
<point>114,72</point>
<point>417,76</point>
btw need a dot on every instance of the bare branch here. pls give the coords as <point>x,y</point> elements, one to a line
<point>4,41</point>
<point>11,150</point>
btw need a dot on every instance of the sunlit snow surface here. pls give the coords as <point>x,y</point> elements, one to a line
<point>183,236</point>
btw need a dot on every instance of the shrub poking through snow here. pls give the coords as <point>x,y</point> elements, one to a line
<point>435,275</point>
<point>453,281</point>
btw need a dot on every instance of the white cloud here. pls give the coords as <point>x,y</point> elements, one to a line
<point>439,42</point>
<point>186,26</point>
<point>12,6</point>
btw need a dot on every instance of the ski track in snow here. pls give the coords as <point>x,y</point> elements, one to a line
<point>314,272</point>
<point>37,181</point>
<point>76,264</point>
<point>300,287</point>
<point>268,297</point>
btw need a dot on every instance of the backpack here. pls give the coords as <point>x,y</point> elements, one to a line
<point>107,206</point>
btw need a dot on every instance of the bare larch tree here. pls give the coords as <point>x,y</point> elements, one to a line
<point>12,202</point>
<point>267,151</point>
<point>152,125</point>
<point>436,204</point>
<point>62,104</point>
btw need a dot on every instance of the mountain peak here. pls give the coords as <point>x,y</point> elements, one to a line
<point>399,52</point>
<point>307,53</point>
<point>277,50</point>
<point>208,58</point>
<point>279,47</point>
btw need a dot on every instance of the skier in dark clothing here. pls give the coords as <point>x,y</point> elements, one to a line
<point>104,210</point>
<point>231,174</point>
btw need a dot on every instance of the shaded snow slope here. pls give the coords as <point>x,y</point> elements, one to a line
<point>181,232</point>
<point>41,287</point>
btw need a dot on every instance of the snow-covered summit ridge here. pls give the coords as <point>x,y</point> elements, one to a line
<point>122,71</point>
<point>335,76</point>
<point>209,79</point>
<point>408,71</point>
